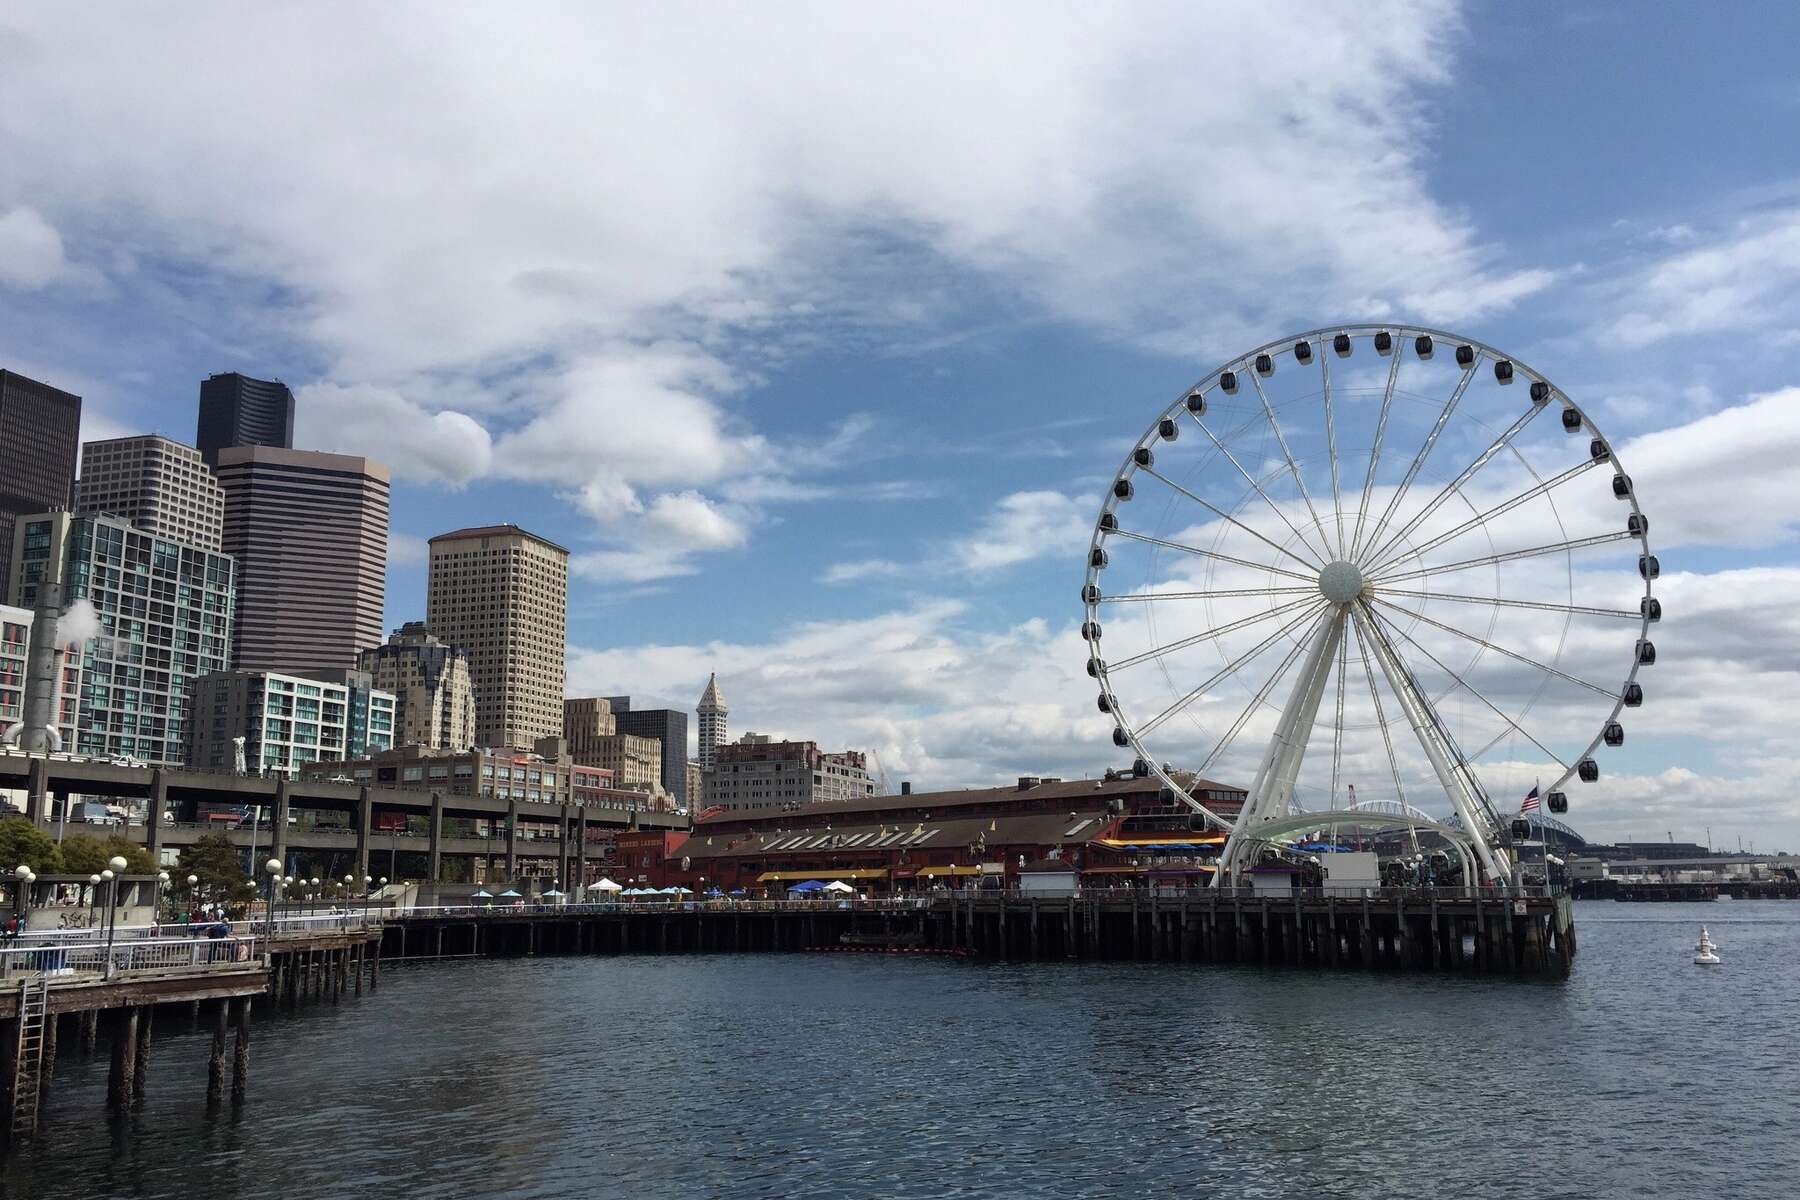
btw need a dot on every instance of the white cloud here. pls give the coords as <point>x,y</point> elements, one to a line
<point>31,251</point>
<point>407,549</point>
<point>1024,526</point>
<point>689,520</point>
<point>856,572</point>
<point>432,447</point>
<point>1728,479</point>
<point>1745,279</point>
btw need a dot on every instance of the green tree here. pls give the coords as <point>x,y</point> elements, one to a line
<point>215,861</point>
<point>83,854</point>
<point>23,843</point>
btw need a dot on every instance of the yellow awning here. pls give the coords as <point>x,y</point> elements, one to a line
<point>934,872</point>
<point>1150,843</point>
<point>828,873</point>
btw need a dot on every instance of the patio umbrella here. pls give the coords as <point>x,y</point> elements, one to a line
<point>482,895</point>
<point>509,893</point>
<point>551,892</point>
<point>838,885</point>
<point>605,885</point>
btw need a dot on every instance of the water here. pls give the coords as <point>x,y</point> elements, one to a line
<point>879,1076</point>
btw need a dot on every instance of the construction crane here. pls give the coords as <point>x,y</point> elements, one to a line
<point>880,775</point>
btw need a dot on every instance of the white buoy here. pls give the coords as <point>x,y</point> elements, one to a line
<point>1705,953</point>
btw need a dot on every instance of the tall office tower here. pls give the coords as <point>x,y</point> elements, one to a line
<point>156,483</point>
<point>236,410</point>
<point>670,728</point>
<point>712,713</point>
<point>309,532</point>
<point>40,432</point>
<point>501,594</point>
<point>431,680</point>
<point>164,617</point>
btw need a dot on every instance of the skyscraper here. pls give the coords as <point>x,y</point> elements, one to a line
<point>156,483</point>
<point>712,712</point>
<point>501,593</point>
<point>165,617</point>
<point>431,681</point>
<point>236,410</point>
<point>669,727</point>
<point>309,531</point>
<point>40,430</point>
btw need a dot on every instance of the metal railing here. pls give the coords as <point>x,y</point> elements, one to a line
<point>121,957</point>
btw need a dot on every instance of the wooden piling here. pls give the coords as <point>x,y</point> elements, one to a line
<point>240,1058</point>
<point>215,1062</point>
<point>140,1070</point>
<point>124,1060</point>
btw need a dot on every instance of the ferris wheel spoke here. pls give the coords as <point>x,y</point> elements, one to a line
<point>1387,404</point>
<point>1393,628</point>
<point>1293,467</point>
<point>1609,693</point>
<point>1337,495</point>
<point>1482,518</point>
<point>1251,480</point>
<point>1231,520</point>
<point>1230,669</point>
<point>1412,471</point>
<point>1598,539</point>
<point>1196,639</point>
<point>1147,597</point>
<point>1455,485</point>
<point>1381,723</point>
<point>1575,609</point>
<point>1256,702</point>
<point>1213,554</point>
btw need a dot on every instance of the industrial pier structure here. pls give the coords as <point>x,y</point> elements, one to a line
<point>1483,930</point>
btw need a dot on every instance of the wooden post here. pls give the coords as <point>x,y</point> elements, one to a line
<point>375,969</point>
<point>240,1058</point>
<point>124,1059</point>
<point>215,1062</point>
<point>49,1066</point>
<point>11,1033</point>
<point>90,1031</point>
<point>140,1070</point>
<point>360,951</point>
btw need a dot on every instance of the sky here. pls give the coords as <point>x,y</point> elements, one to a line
<point>818,332</point>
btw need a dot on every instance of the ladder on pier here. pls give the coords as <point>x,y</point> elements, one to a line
<point>28,1060</point>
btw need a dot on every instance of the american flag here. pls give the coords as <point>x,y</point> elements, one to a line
<point>1530,803</point>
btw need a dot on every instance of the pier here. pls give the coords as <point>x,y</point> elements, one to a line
<point>1413,929</point>
<point>55,989</point>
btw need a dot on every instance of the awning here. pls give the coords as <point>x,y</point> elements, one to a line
<point>827,873</point>
<point>936,872</point>
<point>1128,869</point>
<point>1151,843</point>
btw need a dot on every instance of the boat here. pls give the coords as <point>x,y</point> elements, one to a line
<point>1705,953</point>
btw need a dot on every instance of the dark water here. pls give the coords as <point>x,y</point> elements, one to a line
<point>876,1076</point>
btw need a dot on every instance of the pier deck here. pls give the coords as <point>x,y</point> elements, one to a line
<point>1410,929</point>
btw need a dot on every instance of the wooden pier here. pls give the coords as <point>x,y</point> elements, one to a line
<point>41,1012</point>
<point>1413,930</point>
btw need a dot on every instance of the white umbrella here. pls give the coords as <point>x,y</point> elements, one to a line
<point>838,885</point>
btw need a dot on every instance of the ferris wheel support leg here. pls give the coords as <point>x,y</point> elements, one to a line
<point>1424,724</point>
<point>1274,783</point>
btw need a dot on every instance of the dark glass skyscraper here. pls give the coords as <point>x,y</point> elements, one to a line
<point>40,437</point>
<point>664,723</point>
<point>236,410</point>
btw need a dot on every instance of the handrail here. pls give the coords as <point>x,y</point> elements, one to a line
<point>111,959</point>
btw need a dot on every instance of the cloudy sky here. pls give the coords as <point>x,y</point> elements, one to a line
<point>818,331</point>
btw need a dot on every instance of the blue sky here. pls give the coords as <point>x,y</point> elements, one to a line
<point>819,335</point>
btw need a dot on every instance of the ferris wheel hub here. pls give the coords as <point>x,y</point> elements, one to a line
<point>1340,582</point>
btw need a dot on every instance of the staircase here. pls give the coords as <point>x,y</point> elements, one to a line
<point>28,1063</point>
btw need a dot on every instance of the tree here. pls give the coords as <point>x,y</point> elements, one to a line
<point>86,855</point>
<point>215,861</point>
<point>22,843</point>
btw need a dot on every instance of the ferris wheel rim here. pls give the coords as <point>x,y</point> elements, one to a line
<point>1389,552</point>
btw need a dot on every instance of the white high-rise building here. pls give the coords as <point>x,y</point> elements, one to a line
<point>712,712</point>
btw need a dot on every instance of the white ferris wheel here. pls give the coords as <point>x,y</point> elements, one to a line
<point>1370,561</point>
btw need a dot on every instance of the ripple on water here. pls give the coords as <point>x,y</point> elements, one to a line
<point>859,1075</point>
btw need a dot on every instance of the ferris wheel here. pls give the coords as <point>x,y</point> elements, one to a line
<point>1374,559</point>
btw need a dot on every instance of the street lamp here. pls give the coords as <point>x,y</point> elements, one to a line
<point>162,892</point>
<point>93,896</point>
<point>313,895</point>
<point>21,873</point>
<point>273,867</point>
<point>112,899</point>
